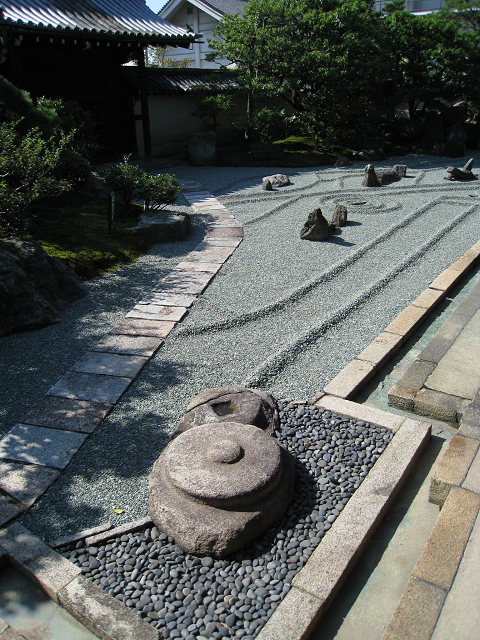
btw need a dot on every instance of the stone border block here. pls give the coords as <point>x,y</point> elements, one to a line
<point>393,339</point>
<point>464,263</point>
<point>447,279</point>
<point>350,379</point>
<point>363,412</point>
<point>103,615</point>
<point>68,414</point>
<point>377,353</point>
<point>407,321</point>
<point>128,345</point>
<point>417,612</point>
<point>401,397</point>
<point>429,298</point>
<point>453,468</point>
<point>136,525</point>
<point>472,481</point>
<point>40,564</point>
<point>81,535</point>
<point>443,552</point>
<point>438,405</point>
<point>332,560</point>
<point>295,617</point>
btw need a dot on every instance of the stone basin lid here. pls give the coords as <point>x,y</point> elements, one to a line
<point>226,464</point>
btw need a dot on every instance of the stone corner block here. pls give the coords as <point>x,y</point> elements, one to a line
<point>295,617</point>
<point>401,397</point>
<point>102,614</point>
<point>350,379</point>
<point>417,612</point>
<point>37,561</point>
<point>453,467</point>
<point>441,556</point>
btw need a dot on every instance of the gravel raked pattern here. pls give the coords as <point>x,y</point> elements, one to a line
<point>283,314</point>
<point>188,597</point>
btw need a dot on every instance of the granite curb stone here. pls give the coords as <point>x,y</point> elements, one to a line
<point>68,414</point>
<point>453,468</point>
<point>438,405</point>
<point>363,412</point>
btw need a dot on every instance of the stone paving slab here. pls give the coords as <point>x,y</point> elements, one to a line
<point>68,414</point>
<point>453,468</point>
<point>207,256</point>
<point>25,482</point>
<point>89,386</point>
<point>129,345</point>
<point>207,267</point>
<point>110,364</point>
<point>9,510</point>
<point>157,312</point>
<point>40,445</point>
<point>141,327</point>
<point>169,299</point>
<point>193,282</point>
<point>225,232</point>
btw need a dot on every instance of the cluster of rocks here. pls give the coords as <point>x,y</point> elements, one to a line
<point>454,173</point>
<point>317,227</point>
<point>185,596</point>
<point>34,287</point>
<point>221,481</point>
<point>380,178</point>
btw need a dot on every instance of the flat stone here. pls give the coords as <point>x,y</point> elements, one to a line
<point>472,481</point>
<point>129,345</point>
<point>39,445</point>
<point>440,406</point>
<point>444,338</point>
<point>206,247</point>
<point>110,364</point>
<point>102,614</point>
<point>361,412</point>
<point>89,386</point>
<point>377,353</point>
<point>68,414</point>
<point>140,327</point>
<point>460,616</point>
<point>8,510</point>
<point>333,559</point>
<point>294,618</point>
<point>452,468</point>
<point>207,256</point>
<point>458,373</point>
<point>223,242</point>
<point>447,280</point>
<point>407,321</point>
<point>157,312</point>
<point>225,232</point>
<point>444,550</point>
<point>168,298</point>
<point>429,298</point>
<point>40,564</point>
<point>25,482</point>
<point>417,612</point>
<point>350,379</point>
<point>207,267</point>
<point>178,282</point>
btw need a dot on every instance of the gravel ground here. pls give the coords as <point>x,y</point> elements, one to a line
<point>188,597</point>
<point>283,315</point>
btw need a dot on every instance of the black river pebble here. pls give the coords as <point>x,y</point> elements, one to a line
<point>202,598</point>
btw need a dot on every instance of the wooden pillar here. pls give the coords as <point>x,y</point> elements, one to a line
<point>147,140</point>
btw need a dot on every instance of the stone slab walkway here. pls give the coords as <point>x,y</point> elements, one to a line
<point>34,452</point>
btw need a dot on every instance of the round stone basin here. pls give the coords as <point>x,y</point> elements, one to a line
<point>225,464</point>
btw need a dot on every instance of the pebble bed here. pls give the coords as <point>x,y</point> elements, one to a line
<point>184,596</point>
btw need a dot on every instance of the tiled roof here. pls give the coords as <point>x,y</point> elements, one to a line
<point>169,82</point>
<point>111,18</point>
<point>222,6</point>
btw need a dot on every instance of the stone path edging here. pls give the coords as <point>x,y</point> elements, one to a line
<point>34,453</point>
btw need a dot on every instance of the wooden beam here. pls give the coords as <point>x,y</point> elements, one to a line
<point>147,140</point>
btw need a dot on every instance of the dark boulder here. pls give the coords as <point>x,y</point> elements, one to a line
<point>316,228</point>
<point>34,287</point>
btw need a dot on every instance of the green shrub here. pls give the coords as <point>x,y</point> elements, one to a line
<point>158,191</point>
<point>209,108</point>
<point>271,124</point>
<point>123,178</point>
<point>27,174</point>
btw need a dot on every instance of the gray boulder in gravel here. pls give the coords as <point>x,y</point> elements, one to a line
<point>277,180</point>
<point>218,487</point>
<point>339,218</point>
<point>370,179</point>
<point>34,287</point>
<point>316,228</point>
<point>231,404</point>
